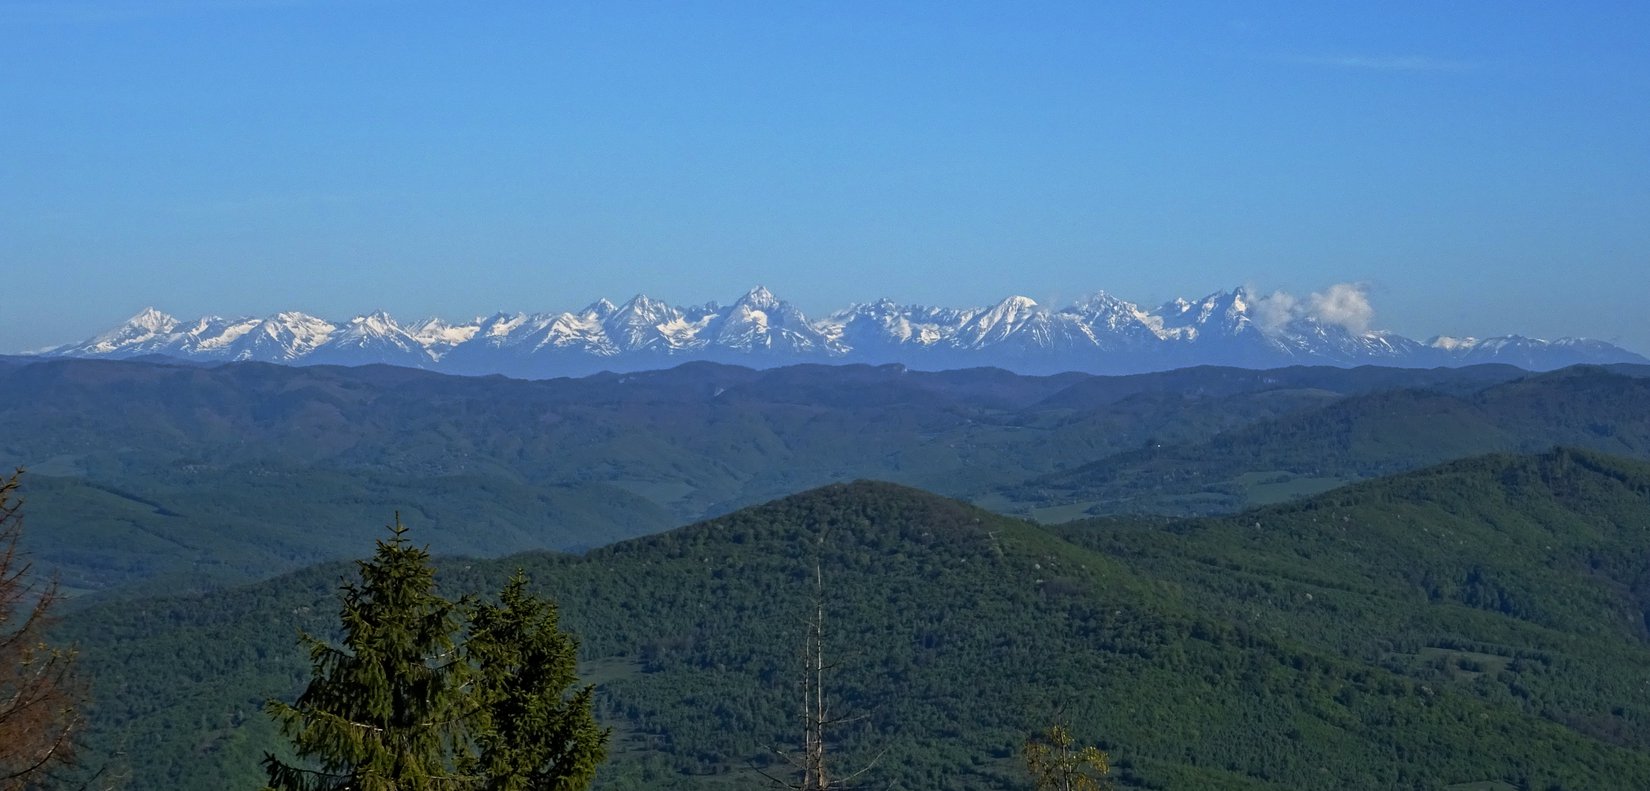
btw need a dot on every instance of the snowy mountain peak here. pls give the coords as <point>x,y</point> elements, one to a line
<point>377,322</point>
<point>1450,344</point>
<point>600,309</point>
<point>438,336</point>
<point>1100,300</point>
<point>294,318</point>
<point>644,323</point>
<point>1222,313</point>
<point>146,331</point>
<point>1100,333</point>
<point>152,320</point>
<point>758,298</point>
<point>999,322</point>
<point>644,309</point>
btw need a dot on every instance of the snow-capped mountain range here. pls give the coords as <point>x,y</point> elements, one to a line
<point>1100,334</point>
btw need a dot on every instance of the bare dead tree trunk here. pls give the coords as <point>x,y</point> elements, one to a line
<point>813,727</point>
<point>815,709</point>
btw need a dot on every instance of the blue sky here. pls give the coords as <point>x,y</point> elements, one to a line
<point>1479,167</point>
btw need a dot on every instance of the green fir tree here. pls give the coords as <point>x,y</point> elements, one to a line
<point>383,712</point>
<point>405,704</point>
<point>531,735</point>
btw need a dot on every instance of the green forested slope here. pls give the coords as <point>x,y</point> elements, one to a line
<point>1481,621</point>
<point>1360,436</point>
<point>176,476</point>
<point>202,529</point>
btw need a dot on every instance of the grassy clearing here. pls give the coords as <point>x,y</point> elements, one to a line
<point>1058,514</point>
<point>1276,486</point>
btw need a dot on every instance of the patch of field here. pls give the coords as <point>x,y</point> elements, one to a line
<point>661,492</point>
<point>997,503</point>
<point>1058,514</point>
<point>1276,486</point>
<point>1482,785</point>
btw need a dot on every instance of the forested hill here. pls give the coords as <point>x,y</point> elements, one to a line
<point>1362,435</point>
<point>1482,623</point>
<point>166,478</point>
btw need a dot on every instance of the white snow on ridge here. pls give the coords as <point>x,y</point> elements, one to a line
<point>438,334</point>
<point>1449,344</point>
<point>213,333</point>
<point>1100,333</point>
<point>148,326</point>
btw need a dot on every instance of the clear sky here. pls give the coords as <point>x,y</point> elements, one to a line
<point>1480,167</point>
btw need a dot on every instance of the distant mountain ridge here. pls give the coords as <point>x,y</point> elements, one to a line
<point>1100,334</point>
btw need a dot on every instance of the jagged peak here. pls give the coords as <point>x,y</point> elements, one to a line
<point>145,327</point>
<point>759,298</point>
<point>150,318</point>
<point>1016,304</point>
<point>377,315</point>
<point>294,317</point>
<point>1236,298</point>
<point>1101,333</point>
<point>879,308</point>
<point>601,308</point>
<point>1103,301</point>
<point>209,321</point>
<point>378,322</point>
<point>436,322</point>
<point>647,308</point>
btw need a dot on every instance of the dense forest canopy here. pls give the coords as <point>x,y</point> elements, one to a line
<point>1478,622</point>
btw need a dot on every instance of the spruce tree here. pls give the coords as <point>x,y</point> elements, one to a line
<point>530,734</point>
<point>384,711</point>
<point>407,704</point>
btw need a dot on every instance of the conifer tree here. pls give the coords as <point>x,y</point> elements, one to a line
<point>407,703</point>
<point>384,711</point>
<point>530,735</point>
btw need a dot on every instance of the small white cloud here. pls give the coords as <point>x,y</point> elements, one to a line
<point>1340,305</point>
<point>1343,304</point>
<point>1274,311</point>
